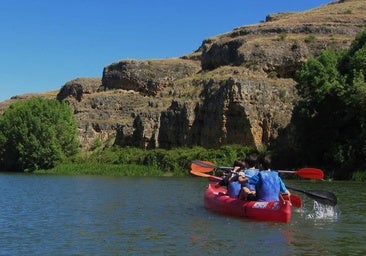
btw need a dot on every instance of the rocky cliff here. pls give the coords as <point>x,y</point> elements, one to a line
<point>238,87</point>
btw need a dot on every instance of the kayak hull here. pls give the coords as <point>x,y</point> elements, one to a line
<point>216,200</point>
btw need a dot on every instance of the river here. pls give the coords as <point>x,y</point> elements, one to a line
<point>99,215</point>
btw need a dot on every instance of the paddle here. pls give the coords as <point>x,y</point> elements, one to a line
<point>307,173</point>
<point>295,199</point>
<point>201,174</point>
<point>324,197</point>
<point>206,166</point>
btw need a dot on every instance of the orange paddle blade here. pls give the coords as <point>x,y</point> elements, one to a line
<point>201,174</point>
<point>202,166</point>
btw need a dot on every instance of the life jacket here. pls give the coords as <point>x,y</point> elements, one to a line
<point>233,189</point>
<point>268,186</point>
<point>250,172</point>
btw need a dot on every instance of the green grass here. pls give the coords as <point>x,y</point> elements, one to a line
<point>104,169</point>
<point>359,176</point>
<point>118,161</point>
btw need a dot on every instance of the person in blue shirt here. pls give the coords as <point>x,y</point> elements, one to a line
<point>251,162</point>
<point>264,185</point>
<point>247,191</point>
<point>231,179</point>
<point>235,181</point>
<point>268,185</point>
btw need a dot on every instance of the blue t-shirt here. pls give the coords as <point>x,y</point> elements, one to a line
<point>233,189</point>
<point>250,173</point>
<point>233,186</point>
<point>267,184</point>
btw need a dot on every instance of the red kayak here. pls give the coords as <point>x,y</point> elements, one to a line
<point>218,201</point>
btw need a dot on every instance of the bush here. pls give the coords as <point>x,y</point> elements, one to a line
<point>37,133</point>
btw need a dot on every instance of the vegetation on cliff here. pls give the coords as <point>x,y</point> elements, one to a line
<point>330,117</point>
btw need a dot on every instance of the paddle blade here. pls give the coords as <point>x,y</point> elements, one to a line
<point>202,166</point>
<point>323,197</point>
<point>296,201</point>
<point>310,173</point>
<point>201,174</point>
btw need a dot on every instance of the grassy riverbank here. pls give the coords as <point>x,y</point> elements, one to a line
<point>118,161</point>
<point>105,169</point>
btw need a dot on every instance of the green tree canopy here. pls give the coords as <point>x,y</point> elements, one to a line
<point>330,118</point>
<point>36,134</point>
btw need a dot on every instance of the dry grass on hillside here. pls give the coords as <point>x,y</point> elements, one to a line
<point>344,12</point>
<point>47,95</point>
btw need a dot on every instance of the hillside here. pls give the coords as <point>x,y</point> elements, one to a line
<point>237,87</point>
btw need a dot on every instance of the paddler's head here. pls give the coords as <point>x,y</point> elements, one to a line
<point>239,165</point>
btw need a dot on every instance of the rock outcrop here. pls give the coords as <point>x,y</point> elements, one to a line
<point>146,77</point>
<point>237,87</point>
<point>78,87</point>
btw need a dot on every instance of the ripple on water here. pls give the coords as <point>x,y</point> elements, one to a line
<point>323,212</point>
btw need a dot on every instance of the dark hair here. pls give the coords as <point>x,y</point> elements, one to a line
<point>265,162</point>
<point>252,160</point>
<point>239,163</point>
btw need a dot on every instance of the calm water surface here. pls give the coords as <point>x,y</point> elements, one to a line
<point>93,215</point>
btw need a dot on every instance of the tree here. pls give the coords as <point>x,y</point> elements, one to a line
<point>317,114</point>
<point>36,134</point>
<point>330,117</point>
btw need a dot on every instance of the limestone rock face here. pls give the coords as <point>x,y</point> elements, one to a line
<point>237,87</point>
<point>240,110</point>
<point>225,106</point>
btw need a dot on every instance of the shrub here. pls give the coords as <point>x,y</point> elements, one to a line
<point>37,133</point>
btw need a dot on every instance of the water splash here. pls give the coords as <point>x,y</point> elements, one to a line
<point>323,212</point>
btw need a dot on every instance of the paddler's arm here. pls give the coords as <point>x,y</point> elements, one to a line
<point>283,188</point>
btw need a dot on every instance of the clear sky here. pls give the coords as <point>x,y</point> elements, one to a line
<point>46,43</point>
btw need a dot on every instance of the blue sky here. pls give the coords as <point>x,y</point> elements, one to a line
<point>45,43</point>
